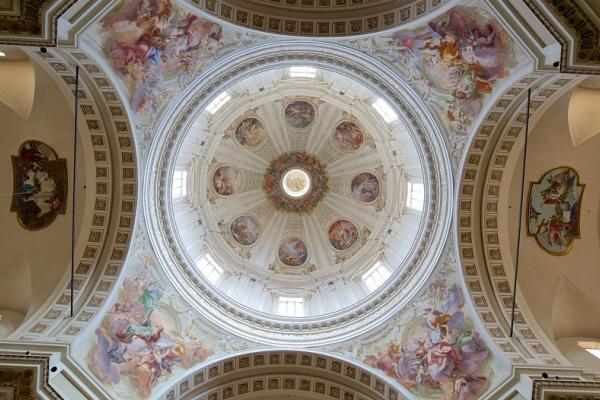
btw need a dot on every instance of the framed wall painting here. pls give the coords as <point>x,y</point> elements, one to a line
<point>39,185</point>
<point>554,210</point>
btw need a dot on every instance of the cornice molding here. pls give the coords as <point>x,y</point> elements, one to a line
<point>35,23</point>
<point>575,29</point>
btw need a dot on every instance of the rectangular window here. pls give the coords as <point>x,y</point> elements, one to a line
<point>218,102</point>
<point>290,306</point>
<point>386,112</point>
<point>376,276</point>
<point>210,269</point>
<point>179,183</point>
<point>303,72</point>
<point>415,196</point>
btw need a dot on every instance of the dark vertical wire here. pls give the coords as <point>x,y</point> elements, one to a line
<point>514,297</point>
<point>74,185</point>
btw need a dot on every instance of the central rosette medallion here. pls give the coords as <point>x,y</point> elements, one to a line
<point>295,182</point>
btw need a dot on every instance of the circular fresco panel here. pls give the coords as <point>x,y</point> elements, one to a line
<point>299,114</point>
<point>365,187</point>
<point>292,252</point>
<point>250,132</point>
<point>245,230</point>
<point>348,137</point>
<point>342,234</point>
<point>226,180</point>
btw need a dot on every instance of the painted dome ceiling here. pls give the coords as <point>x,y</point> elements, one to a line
<point>297,197</point>
<point>299,188</point>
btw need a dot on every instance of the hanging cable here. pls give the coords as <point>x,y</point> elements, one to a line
<point>74,186</point>
<point>514,297</point>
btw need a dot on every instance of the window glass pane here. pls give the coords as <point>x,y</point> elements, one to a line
<point>290,306</point>
<point>303,72</point>
<point>209,269</point>
<point>415,196</point>
<point>218,102</point>
<point>376,276</point>
<point>384,109</point>
<point>179,183</point>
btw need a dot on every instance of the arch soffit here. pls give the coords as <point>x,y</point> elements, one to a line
<point>276,370</point>
<point>102,245</point>
<point>486,264</point>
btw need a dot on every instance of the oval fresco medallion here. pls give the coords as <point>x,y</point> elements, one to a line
<point>554,209</point>
<point>226,180</point>
<point>342,234</point>
<point>365,187</point>
<point>250,132</point>
<point>245,230</point>
<point>292,252</point>
<point>40,185</point>
<point>299,114</point>
<point>348,137</point>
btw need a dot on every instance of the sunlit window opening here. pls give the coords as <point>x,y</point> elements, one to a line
<point>303,72</point>
<point>375,276</point>
<point>591,347</point>
<point>210,269</point>
<point>179,183</point>
<point>415,196</point>
<point>290,306</point>
<point>218,102</point>
<point>386,112</point>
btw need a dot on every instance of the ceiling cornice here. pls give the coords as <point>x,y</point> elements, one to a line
<point>576,26</point>
<point>32,22</point>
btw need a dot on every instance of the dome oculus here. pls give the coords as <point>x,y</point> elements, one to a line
<point>295,182</point>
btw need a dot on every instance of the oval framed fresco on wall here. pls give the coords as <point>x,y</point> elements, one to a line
<point>250,132</point>
<point>245,230</point>
<point>299,114</point>
<point>342,234</point>
<point>292,252</point>
<point>348,137</point>
<point>226,180</point>
<point>39,185</point>
<point>365,187</point>
<point>554,209</point>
